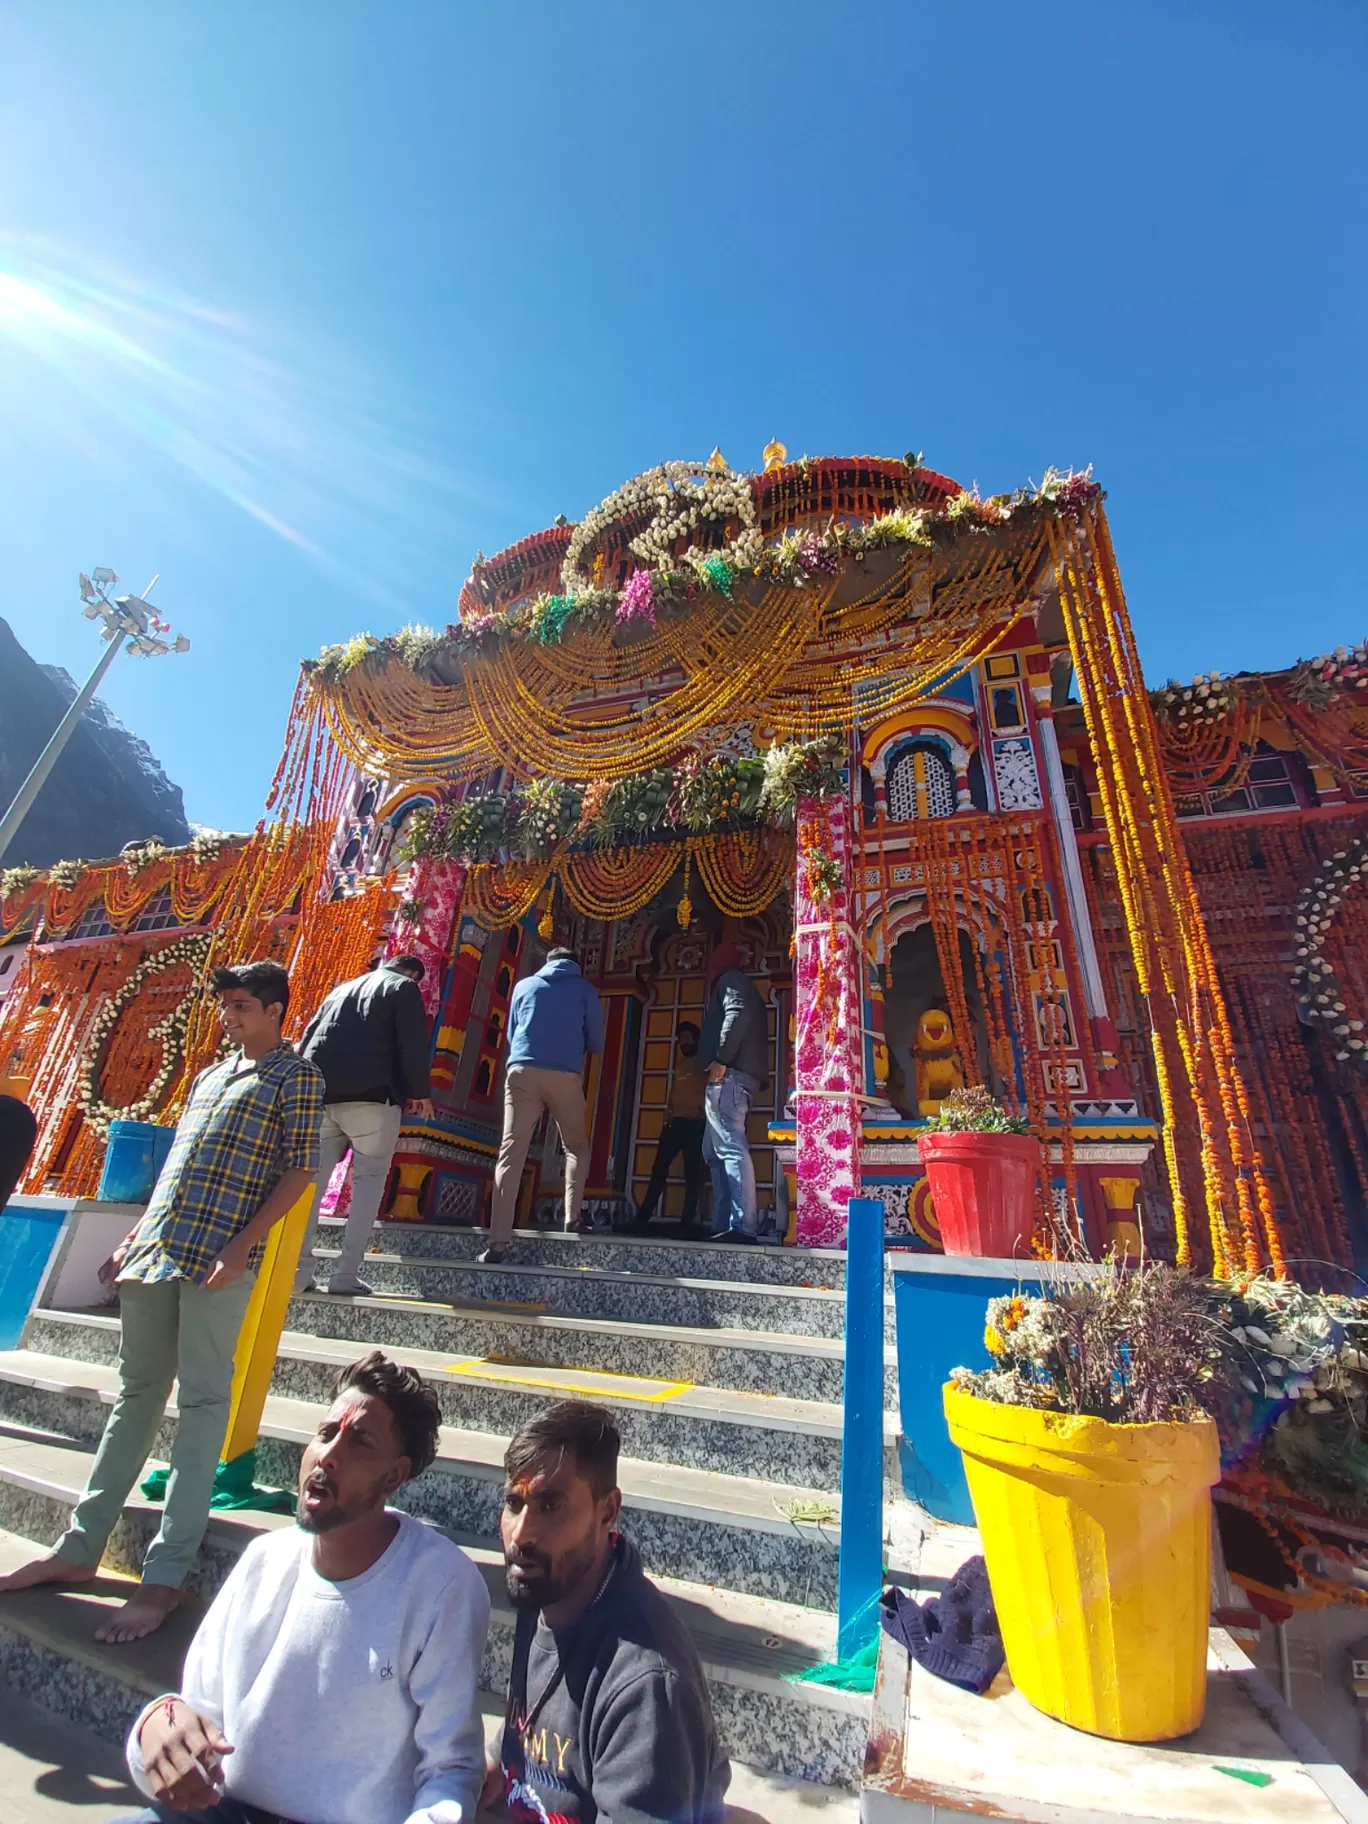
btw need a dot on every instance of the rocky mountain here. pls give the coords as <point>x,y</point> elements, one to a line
<point>107,789</point>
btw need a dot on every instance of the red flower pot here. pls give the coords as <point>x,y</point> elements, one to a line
<point>983,1190</point>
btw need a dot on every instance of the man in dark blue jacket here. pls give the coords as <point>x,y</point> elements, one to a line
<point>554,1018</point>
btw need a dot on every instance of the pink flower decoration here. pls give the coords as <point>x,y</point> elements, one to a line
<point>638,599</point>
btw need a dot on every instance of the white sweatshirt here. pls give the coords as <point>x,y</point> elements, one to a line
<point>346,1703</point>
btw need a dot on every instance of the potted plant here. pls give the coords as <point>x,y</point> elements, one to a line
<point>981,1164</point>
<point>1090,1461</point>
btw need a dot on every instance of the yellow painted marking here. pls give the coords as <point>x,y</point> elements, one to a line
<point>475,1304</point>
<point>574,1380</point>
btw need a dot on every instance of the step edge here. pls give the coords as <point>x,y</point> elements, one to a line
<point>824,1422</point>
<point>636,1499</point>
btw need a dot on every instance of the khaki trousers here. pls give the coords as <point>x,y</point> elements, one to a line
<point>371,1130</point>
<point>529,1092</point>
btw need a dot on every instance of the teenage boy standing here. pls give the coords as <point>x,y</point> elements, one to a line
<point>245,1150</point>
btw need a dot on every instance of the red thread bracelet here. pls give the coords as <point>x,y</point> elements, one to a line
<point>163,1703</point>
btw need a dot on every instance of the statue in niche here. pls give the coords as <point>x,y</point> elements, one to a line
<point>939,1069</point>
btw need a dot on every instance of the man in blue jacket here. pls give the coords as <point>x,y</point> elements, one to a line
<point>554,1018</point>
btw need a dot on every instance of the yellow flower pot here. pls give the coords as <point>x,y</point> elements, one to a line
<point>1097,1539</point>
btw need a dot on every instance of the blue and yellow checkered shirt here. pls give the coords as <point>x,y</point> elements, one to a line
<point>246,1124</point>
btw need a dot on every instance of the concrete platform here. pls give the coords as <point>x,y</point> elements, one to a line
<point>936,1752</point>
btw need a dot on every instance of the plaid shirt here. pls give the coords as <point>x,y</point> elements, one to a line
<point>246,1124</point>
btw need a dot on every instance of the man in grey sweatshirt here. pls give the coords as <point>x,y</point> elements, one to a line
<point>608,1712</point>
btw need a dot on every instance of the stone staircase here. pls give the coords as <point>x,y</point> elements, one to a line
<point>722,1365</point>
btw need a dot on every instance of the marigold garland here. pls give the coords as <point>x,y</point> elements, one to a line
<point>745,871</point>
<point>1194,1047</point>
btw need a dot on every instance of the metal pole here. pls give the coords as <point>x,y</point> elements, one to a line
<point>45,762</point>
<point>860,1572</point>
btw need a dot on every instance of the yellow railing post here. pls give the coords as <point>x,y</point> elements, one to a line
<point>259,1338</point>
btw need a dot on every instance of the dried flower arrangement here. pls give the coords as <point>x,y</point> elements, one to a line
<point>1136,1347</point>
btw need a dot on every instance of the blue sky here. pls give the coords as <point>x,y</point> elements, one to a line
<point>301,305</point>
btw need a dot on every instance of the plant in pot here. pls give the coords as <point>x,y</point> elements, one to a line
<point>981,1164</point>
<point>1090,1462</point>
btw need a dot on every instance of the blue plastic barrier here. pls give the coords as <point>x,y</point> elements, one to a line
<point>938,1303</point>
<point>28,1235</point>
<point>134,1155</point>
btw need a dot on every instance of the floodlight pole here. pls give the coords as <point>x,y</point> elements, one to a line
<point>120,622</point>
<point>45,762</point>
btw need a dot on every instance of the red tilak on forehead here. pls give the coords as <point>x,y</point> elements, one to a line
<point>350,1416</point>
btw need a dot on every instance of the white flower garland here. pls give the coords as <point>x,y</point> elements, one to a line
<point>1208,698</point>
<point>1317,986</point>
<point>679,496</point>
<point>170,1030</point>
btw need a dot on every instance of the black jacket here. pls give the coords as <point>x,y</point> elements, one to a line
<point>735,1032</point>
<point>611,1717</point>
<point>370,1040</point>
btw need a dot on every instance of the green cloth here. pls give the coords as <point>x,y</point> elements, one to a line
<point>234,1486</point>
<point>170,1331</point>
<point>853,1674</point>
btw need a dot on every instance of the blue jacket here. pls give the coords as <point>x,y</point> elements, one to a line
<point>554,1017</point>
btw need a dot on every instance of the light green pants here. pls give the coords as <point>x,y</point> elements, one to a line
<point>169,1331</point>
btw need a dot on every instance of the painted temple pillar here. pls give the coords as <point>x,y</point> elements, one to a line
<point>828,1061</point>
<point>959,762</point>
<point>434,893</point>
<point>1103,1031</point>
<point>878,773</point>
<point>435,890</point>
<point>1118,1185</point>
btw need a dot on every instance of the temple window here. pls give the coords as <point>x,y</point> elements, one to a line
<point>1079,811</point>
<point>920,784</point>
<point>1268,786</point>
<point>157,915</point>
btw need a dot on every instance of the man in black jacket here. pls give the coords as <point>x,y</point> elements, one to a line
<point>735,1052</point>
<point>370,1040</point>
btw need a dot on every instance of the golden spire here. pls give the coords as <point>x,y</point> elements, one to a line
<point>717,462</point>
<point>775,455</point>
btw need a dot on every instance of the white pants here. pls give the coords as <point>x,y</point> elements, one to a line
<point>371,1130</point>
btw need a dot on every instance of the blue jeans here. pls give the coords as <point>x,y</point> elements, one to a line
<point>727,1151</point>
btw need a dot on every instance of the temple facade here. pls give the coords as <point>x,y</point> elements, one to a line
<point>890,739</point>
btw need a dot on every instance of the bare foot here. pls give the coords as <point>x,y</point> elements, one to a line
<point>144,1612</point>
<point>51,1569</point>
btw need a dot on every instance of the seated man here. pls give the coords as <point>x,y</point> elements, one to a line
<point>682,1132</point>
<point>334,1679</point>
<point>608,1710</point>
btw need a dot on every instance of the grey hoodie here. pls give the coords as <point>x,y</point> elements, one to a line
<point>610,1719</point>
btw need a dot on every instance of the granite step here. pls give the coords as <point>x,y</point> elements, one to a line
<point>746,1645</point>
<point>742,1533</point>
<point>763,1436</point>
<point>747,1361</point>
<point>661,1255</point>
<point>574,1291</point>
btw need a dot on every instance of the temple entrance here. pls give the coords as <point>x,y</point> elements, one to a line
<point>651,977</point>
<point>914,988</point>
